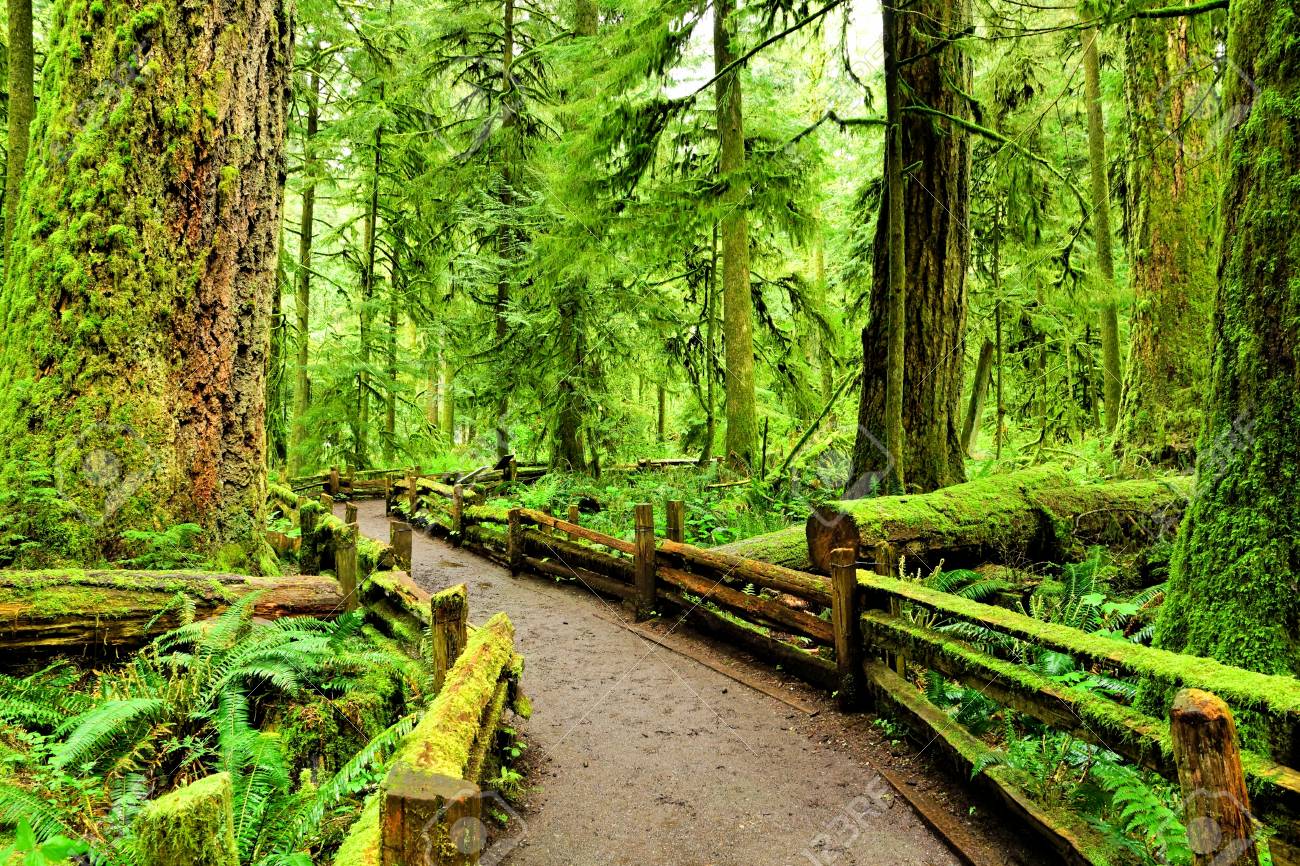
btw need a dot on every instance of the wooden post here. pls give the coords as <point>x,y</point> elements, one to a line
<point>430,820</point>
<point>885,559</point>
<point>412,495</point>
<point>350,512</point>
<point>1216,808</point>
<point>194,825</point>
<point>676,520</point>
<point>845,620</point>
<point>327,502</point>
<point>457,514</point>
<point>399,537</point>
<point>345,567</point>
<point>574,517</point>
<point>644,563</point>
<point>515,542</point>
<point>512,471</point>
<point>448,616</point>
<point>333,485</point>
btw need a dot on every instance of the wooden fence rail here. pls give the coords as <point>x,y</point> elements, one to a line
<point>870,635</point>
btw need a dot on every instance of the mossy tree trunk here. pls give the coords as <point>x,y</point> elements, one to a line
<point>136,313</point>
<point>22,105</point>
<point>1170,209</point>
<point>1233,591</point>
<point>1112,375</point>
<point>302,297</point>
<point>737,302</point>
<point>937,245</point>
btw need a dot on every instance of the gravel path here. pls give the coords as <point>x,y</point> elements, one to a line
<point>640,755</point>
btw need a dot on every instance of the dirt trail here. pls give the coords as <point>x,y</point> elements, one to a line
<point>642,756</point>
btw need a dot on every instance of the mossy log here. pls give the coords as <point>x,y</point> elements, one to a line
<point>1031,515</point>
<point>786,547</point>
<point>95,611</point>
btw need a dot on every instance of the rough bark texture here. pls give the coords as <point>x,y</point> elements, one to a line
<point>737,302</point>
<point>136,313</point>
<point>978,391</point>
<point>1172,183</point>
<point>1233,591</point>
<point>22,105</point>
<point>936,200</point>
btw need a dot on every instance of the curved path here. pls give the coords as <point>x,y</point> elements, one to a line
<point>643,756</point>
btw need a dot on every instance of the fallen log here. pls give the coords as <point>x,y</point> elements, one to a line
<point>786,547</point>
<point>1032,515</point>
<point>96,611</point>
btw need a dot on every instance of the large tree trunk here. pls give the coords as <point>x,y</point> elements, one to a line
<point>302,298</point>
<point>737,303</point>
<point>1112,377</point>
<point>937,242</point>
<point>1233,591</point>
<point>137,309</point>
<point>1170,207</point>
<point>22,105</point>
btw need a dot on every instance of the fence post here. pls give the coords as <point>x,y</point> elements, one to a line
<point>457,514</point>
<point>350,512</point>
<point>399,537</point>
<point>846,623</point>
<point>1216,807</point>
<point>327,502</point>
<point>676,520</point>
<point>194,824</point>
<point>644,562</point>
<point>886,560</point>
<point>515,542</point>
<point>430,820</point>
<point>448,613</point>
<point>345,566</point>
<point>412,495</point>
<point>512,471</point>
<point>333,485</point>
<point>349,477</point>
<point>575,517</point>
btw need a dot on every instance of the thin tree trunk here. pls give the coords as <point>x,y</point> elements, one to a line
<point>390,387</point>
<point>896,261</point>
<point>1112,374</point>
<point>371,240</point>
<point>448,400</point>
<point>302,298</point>
<point>710,348</point>
<point>661,431</point>
<point>979,389</point>
<point>22,106</point>
<point>737,303</point>
<point>504,240</point>
<point>145,397</point>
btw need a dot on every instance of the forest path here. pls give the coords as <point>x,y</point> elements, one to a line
<point>639,755</point>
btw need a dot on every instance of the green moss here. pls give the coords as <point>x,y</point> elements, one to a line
<point>442,742</point>
<point>361,847</point>
<point>191,826</point>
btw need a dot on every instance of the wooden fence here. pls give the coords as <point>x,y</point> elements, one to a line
<point>864,633</point>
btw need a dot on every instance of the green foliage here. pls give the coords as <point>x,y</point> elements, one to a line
<point>176,546</point>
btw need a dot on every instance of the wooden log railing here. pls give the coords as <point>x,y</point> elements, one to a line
<point>883,632</point>
<point>429,809</point>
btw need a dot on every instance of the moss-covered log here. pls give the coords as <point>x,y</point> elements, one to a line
<point>786,547</point>
<point>136,306</point>
<point>1035,514</point>
<point>98,611</point>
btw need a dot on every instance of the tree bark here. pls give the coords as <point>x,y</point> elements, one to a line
<point>1172,185</point>
<point>134,362</point>
<point>504,239</point>
<point>895,259</point>
<point>1233,593</point>
<point>737,303</point>
<point>1112,374</point>
<point>302,297</point>
<point>22,106</point>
